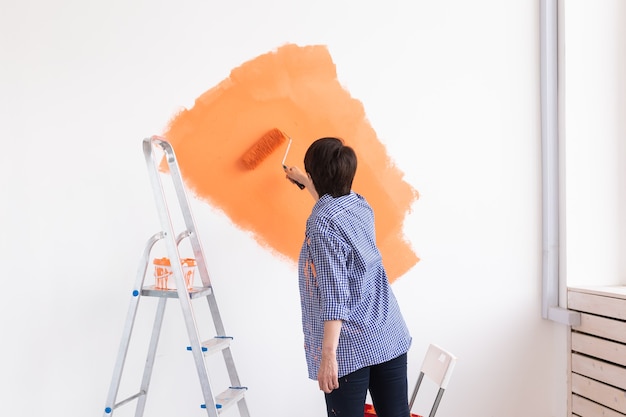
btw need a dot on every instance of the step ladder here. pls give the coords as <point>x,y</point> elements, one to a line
<point>155,148</point>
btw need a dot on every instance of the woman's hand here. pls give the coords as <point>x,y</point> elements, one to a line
<point>295,174</point>
<point>327,374</point>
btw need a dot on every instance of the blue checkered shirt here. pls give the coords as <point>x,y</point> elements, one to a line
<point>341,277</point>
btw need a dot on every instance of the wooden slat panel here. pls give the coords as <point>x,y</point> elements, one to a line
<point>585,408</point>
<point>600,393</point>
<point>599,370</point>
<point>597,304</point>
<point>603,327</point>
<point>598,344</point>
<point>615,291</point>
<point>599,348</point>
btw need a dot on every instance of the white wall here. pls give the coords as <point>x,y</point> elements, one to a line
<point>452,89</point>
<point>595,141</point>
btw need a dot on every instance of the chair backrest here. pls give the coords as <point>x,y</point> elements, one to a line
<point>438,365</point>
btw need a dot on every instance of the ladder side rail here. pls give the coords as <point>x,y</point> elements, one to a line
<point>201,264</point>
<point>192,331</point>
<point>191,228</point>
<point>212,406</point>
<point>243,408</point>
<point>128,327</point>
<point>234,380</point>
<point>151,355</point>
<point>171,239</point>
<point>188,218</point>
<point>230,365</point>
<point>215,313</point>
<point>219,327</point>
<point>172,249</point>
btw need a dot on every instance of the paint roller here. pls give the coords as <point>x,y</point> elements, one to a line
<point>262,148</point>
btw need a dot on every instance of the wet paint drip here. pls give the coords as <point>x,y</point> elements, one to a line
<point>296,90</point>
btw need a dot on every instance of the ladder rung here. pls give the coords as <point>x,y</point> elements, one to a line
<point>229,397</point>
<point>195,292</point>
<point>216,344</point>
<point>127,400</point>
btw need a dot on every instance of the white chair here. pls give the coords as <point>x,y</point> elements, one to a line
<point>437,366</point>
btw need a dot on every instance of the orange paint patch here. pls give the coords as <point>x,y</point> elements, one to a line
<point>296,90</point>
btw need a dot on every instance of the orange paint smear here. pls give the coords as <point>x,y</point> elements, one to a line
<point>296,90</point>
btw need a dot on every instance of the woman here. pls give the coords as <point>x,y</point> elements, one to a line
<point>355,337</point>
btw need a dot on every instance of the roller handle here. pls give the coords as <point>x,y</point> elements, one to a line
<point>301,186</point>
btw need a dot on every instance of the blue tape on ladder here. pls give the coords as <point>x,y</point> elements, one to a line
<point>135,293</point>
<point>108,410</point>
<point>216,406</point>
<point>204,349</point>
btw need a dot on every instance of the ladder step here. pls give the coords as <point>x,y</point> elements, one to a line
<point>229,397</point>
<point>195,292</point>
<point>216,344</point>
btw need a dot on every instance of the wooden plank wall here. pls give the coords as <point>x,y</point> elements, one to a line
<point>598,349</point>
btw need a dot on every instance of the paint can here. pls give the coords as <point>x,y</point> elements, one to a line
<point>163,274</point>
<point>189,267</point>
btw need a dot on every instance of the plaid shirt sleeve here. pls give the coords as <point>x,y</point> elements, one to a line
<point>329,256</point>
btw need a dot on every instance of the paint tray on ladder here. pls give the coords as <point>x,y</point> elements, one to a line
<point>437,366</point>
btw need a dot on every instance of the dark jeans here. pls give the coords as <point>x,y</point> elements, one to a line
<point>387,383</point>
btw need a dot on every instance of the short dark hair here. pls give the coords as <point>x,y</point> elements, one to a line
<point>331,165</point>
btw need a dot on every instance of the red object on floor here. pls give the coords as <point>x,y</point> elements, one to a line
<point>370,412</point>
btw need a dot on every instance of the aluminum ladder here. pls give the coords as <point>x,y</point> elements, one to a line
<point>235,393</point>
